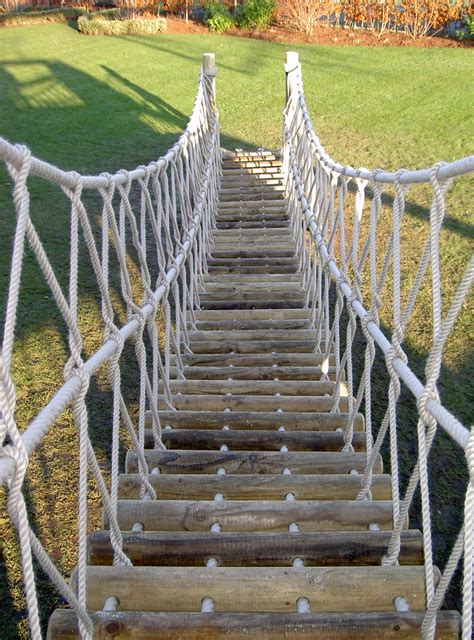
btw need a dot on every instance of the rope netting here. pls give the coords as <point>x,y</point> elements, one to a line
<point>146,240</point>
<point>147,244</point>
<point>351,252</point>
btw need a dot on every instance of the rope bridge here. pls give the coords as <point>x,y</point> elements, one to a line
<point>253,501</point>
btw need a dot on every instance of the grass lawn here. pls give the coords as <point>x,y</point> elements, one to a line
<point>100,104</point>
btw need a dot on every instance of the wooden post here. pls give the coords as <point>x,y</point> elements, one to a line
<point>210,71</point>
<point>292,71</point>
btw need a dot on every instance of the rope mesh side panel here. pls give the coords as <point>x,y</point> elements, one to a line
<point>343,241</point>
<point>147,252</point>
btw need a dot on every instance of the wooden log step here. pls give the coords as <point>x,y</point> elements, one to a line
<point>262,192</point>
<point>267,262</point>
<point>251,212</point>
<point>343,486</point>
<point>245,181</point>
<point>243,325</point>
<point>263,253</point>
<point>274,172</point>
<point>253,277</point>
<point>252,164</point>
<point>291,420</point>
<point>252,346</point>
<point>250,209</point>
<point>141,625</point>
<point>254,373</point>
<point>256,314</point>
<point>232,163</point>
<point>337,548</point>
<point>253,515</point>
<point>238,288</point>
<point>252,224</point>
<point>250,462</point>
<point>237,195</point>
<point>253,283</point>
<point>244,163</point>
<point>251,304</point>
<point>270,387</point>
<point>225,267</point>
<point>256,248</point>
<point>240,154</point>
<point>263,238</point>
<point>253,334</point>
<point>252,439</point>
<point>265,245</point>
<point>253,359</point>
<point>329,589</point>
<point>281,293</point>
<point>236,402</point>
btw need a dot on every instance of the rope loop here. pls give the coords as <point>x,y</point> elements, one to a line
<point>21,169</point>
<point>75,193</point>
<point>113,333</point>
<point>20,457</point>
<point>370,316</point>
<point>110,187</point>
<point>128,182</point>
<point>427,394</point>
<point>76,368</point>
<point>140,317</point>
<point>146,171</point>
<point>392,354</point>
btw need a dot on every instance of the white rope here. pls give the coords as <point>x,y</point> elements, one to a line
<point>320,206</point>
<point>168,204</point>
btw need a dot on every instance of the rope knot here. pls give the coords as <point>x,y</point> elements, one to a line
<point>392,354</point>
<point>113,333</point>
<point>20,457</point>
<point>428,394</point>
<point>75,367</point>
<point>140,317</point>
<point>352,297</point>
<point>128,181</point>
<point>370,316</point>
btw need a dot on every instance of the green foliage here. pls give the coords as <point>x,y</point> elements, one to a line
<point>35,17</point>
<point>218,17</point>
<point>470,26</point>
<point>107,23</point>
<point>255,14</point>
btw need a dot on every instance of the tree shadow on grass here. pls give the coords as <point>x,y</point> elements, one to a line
<point>73,100</point>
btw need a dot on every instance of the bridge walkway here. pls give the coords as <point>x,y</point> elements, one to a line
<point>256,530</point>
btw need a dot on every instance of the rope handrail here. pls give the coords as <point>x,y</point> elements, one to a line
<point>148,251</point>
<point>342,258</point>
<point>449,170</point>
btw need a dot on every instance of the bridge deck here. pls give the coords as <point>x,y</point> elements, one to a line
<point>256,530</point>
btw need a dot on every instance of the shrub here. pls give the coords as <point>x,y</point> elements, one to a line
<point>218,17</point>
<point>304,15</point>
<point>423,17</point>
<point>33,17</point>
<point>109,23</point>
<point>255,14</point>
<point>470,26</point>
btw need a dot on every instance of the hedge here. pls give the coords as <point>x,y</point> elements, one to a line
<point>97,24</point>
<point>33,17</point>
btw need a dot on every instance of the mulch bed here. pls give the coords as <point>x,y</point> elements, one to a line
<point>321,35</point>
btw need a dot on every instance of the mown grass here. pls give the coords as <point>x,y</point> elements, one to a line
<point>105,103</point>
